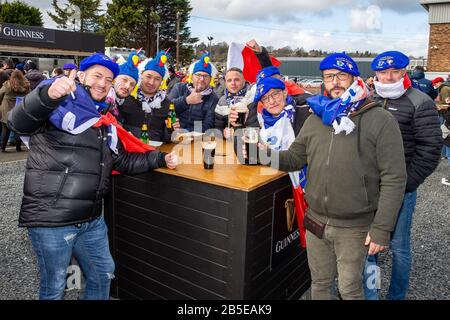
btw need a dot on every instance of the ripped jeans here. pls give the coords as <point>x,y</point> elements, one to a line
<point>88,242</point>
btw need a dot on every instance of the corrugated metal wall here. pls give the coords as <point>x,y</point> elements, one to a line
<point>310,69</point>
<point>439,13</point>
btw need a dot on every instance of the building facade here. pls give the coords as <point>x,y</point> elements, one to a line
<point>439,40</point>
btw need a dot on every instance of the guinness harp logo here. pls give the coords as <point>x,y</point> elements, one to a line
<point>289,205</point>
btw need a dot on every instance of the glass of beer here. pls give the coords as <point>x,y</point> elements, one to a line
<point>209,151</point>
<point>242,111</point>
<point>250,137</point>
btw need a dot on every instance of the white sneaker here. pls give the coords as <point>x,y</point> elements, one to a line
<point>445,181</point>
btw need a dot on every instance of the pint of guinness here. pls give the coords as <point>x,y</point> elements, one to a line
<point>250,138</point>
<point>209,151</point>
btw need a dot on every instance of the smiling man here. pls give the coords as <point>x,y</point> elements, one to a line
<point>235,91</point>
<point>151,105</point>
<point>356,177</point>
<point>196,101</point>
<point>72,155</point>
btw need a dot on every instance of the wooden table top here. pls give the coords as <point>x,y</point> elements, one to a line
<point>227,171</point>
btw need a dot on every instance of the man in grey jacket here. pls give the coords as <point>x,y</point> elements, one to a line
<point>356,178</point>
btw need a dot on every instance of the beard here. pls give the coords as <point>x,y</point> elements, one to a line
<point>88,88</point>
<point>329,94</point>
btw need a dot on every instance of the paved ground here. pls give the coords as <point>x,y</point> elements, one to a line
<point>12,155</point>
<point>430,278</point>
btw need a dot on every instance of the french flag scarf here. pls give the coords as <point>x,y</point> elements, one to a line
<point>336,112</point>
<point>393,90</point>
<point>77,115</point>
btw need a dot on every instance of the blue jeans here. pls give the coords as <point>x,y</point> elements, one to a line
<point>447,153</point>
<point>88,242</point>
<point>401,254</point>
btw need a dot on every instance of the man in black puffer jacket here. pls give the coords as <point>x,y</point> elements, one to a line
<point>422,140</point>
<point>68,173</point>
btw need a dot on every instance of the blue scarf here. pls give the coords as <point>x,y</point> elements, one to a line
<point>331,110</point>
<point>233,98</point>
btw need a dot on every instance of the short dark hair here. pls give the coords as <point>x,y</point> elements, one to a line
<point>419,68</point>
<point>234,69</point>
<point>9,63</point>
<point>58,71</point>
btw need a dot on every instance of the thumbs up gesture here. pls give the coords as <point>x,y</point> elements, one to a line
<point>63,86</point>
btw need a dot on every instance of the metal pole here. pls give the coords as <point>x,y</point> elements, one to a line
<point>178,40</point>
<point>210,38</point>
<point>149,3</point>
<point>158,25</point>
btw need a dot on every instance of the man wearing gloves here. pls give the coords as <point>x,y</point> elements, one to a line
<point>356,177</point>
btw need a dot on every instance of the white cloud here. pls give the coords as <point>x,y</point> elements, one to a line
<point>400,6</point>
<point>280,10</point>
<point>415,44</point>
<point>363,20</point>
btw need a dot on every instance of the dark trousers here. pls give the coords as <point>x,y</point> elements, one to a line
<point>5,132</point>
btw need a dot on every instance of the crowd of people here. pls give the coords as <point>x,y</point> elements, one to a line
<point>360,148</point>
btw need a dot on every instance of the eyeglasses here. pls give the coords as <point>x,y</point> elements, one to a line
<point>202,76</point>
<point>340,76</point>
<point>272,96</point>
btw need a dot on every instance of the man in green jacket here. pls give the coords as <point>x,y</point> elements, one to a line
<point>356,178</point>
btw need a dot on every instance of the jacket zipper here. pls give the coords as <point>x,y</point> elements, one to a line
<point>102,164</point>
<point>328,167</point>
<point>63,182</point>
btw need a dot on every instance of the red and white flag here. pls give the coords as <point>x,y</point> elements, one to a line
<point>244,58</point>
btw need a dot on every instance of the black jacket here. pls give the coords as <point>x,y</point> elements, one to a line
<point>422,137</point>
<point>425,85</point>
<point>67,175</point>
<point>188,114</point>
<point>132,117</point>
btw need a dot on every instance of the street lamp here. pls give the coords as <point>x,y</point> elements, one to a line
<point>178,39</point>
<point>210,38</point>
<point>158,25</point>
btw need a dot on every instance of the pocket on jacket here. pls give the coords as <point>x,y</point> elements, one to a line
<point>61,185</point>
<point>365,191</point>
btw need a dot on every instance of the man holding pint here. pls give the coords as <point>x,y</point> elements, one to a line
<point>356,177</point>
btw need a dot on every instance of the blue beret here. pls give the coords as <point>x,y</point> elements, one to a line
<point>102,60</point>
<point>129,68</point>
<point>267,72</point>
<point>203,65</point>
<point>340,61</point>
<point>390,59</point>
<point>69,66</point>
<point>265,84</point>
<point>158,63</point>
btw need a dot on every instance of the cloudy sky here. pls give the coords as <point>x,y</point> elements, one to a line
<point>332,25</point>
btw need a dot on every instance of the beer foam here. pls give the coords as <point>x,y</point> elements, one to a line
<point>208,144</point>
